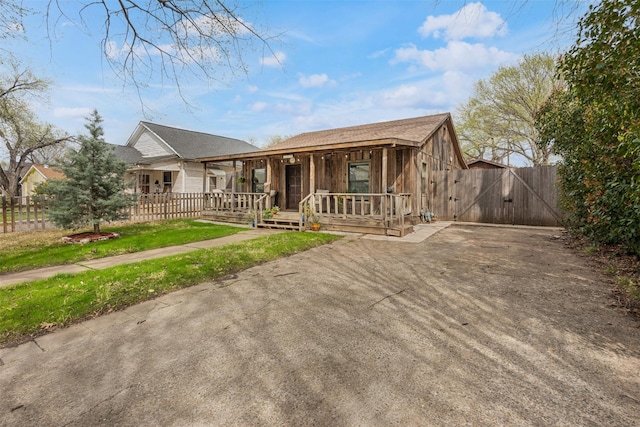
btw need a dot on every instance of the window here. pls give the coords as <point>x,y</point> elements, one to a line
<point>145,181</point>
<point>166,178</point>
<point>359,177</point>
<point>424,178</point>
<point>258,178</point>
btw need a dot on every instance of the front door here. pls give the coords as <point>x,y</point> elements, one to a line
<point>294,186</point>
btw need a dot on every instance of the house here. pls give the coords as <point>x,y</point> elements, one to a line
<point>484,164</point>
<point>373,178</point>
<point>161,159</point>
<point>36,175</point>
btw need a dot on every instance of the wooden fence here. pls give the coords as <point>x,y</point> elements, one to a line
<point>24,214</point>
<point>524,196</point>
<point>30,213</point>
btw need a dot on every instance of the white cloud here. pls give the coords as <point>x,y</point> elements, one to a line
<point>457,55</point>
<point>276,60</point>
<point>315,80</point>
<point>294,108</point>
<point>379,53</point>
<point>259,106</point>
<point>252,88</point>
<point>72,112</point>
<point>216,26</point>
<point>474,20</point>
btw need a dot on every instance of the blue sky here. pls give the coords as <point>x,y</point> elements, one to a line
<point>341,63</point>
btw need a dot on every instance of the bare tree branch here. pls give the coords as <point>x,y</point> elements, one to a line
<point>170,41</point>
<point>21,133</point>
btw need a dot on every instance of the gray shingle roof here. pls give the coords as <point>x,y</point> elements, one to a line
<point>129,155</point>
<point>191,144</point>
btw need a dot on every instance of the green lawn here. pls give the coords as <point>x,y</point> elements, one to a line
<point>25,251</point>
<point>29,308</point>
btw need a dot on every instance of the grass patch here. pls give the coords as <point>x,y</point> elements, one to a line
<point>25,251</point>
<point>28,309</point>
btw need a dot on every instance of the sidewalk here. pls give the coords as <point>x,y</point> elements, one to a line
<point>102,263</point>
<point>421,232</point>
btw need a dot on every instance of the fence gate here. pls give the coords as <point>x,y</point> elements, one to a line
<point>524,196</point>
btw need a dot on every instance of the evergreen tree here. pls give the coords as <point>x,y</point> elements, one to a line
<point>93,190</point>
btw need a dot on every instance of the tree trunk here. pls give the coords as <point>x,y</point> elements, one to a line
<point>96,228</point>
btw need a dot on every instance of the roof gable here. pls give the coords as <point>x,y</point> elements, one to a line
<point>489,163</point>
<point>44,171</point>
<point>189,145</point>
<point>47,172</point>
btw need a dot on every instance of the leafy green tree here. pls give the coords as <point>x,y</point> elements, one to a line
<point>498,120</point>
<point>93,190</point>
<point>595,125</point>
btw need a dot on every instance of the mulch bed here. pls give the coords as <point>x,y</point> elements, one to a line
<point>88,237</point>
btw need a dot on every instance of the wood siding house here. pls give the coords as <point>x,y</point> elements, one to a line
<point>161,159</point>
<point>373,178</point>
<point>36,175</point>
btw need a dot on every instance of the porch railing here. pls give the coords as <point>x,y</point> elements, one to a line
<point>232,202</point>
<point>387,207</point>
<point>259,208</point>
<point>391,209</point>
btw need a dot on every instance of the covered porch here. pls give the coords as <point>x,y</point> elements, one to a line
<point>363,189</point>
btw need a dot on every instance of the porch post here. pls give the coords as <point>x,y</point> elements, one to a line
<point>233,176</point>
<point>268,178</point>
<point>233,186</point>
<point>204,178</point>
<point>312,174</point>
<point>383,184</point>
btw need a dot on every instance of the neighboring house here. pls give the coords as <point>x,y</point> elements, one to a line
<point>484,164</point>
<point>371,178</point>
<point>36,175</point>
<point>162,159</point>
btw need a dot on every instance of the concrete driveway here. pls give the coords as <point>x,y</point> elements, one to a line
<point>472,326</point>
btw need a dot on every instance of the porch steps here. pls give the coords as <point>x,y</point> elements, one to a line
<point>282,222</point>
<point>400,231</point>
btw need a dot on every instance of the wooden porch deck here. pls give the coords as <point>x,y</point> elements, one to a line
<point>381,214</point>
<point>290,220</point>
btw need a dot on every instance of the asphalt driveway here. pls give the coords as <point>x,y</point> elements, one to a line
<point>472,326</point>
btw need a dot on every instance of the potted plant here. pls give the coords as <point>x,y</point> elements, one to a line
<point>315,222</point>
